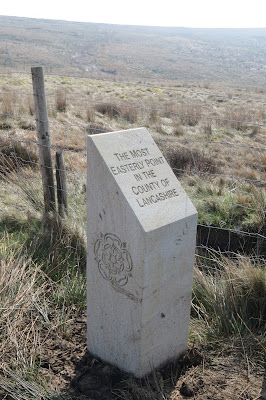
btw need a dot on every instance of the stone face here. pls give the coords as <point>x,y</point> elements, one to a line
<point>141,242</point>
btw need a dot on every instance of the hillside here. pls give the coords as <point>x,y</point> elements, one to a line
<point>226,56</point>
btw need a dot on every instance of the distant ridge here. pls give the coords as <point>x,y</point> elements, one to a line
<point>228,56</point>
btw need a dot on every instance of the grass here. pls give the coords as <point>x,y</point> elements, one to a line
<point>189,115</point>
<point>50,241</point>
<point>42,286</point>
<point>14,155</point>
<point>24,292</point>
<point>43,293</point>
<point>184,160</point>
<point>228,306</point>
<point>128,114</point>
<point>56,243</point>
<point>230,297</point>
<point>60,101</point>
<point>220,203</point>
<point>34,309</point>
<point>9,100</point>
<point>226,193</point>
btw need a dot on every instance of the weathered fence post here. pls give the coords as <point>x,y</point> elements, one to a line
<point>61,183</point>
<point>43,136</point>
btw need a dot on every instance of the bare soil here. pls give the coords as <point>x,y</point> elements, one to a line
<point>199,374</point>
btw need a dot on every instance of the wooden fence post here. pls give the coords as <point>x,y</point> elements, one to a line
<point>61,183</point>
<point>43,136</point>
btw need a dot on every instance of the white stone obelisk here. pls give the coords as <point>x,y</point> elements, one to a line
<point>141,229</point>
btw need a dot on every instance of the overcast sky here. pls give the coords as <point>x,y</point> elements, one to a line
<point>186,13</point>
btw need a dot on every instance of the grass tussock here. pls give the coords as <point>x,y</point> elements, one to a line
<point>189,114</point>
<point>22,286</point>
<point>8,104</point>
<point>27,125</point>
<point>50,241</point>
<point>230,297</point>
<point>129,114</point>
<point>5,125</point>
<point>35,311</point>
<point>90,114</point>
<point>31,106</point>
<point>177,129</point>
<point>25,297</point>
<point>64,246</point>
<point>183,160</point>
<point>114,111</point>
<point>228,205</point>
<point>207,129</point>
<point>109,109</point>
<point>237,118</point>
<point>14,155</point>
<point>60,101</point>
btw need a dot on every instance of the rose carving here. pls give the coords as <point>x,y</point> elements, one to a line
<point>114,261</point>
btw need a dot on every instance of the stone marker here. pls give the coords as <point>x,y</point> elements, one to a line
<point>141,243</point>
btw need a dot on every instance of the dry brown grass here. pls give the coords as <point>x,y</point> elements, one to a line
<point>9,100</point>
<point>231,296</point>
<point>207,129</point>
<point>32,317</point>
<point>31,106</point>
<point>20,290</point>
<point>129,114</point>
<point>155,107</point>
<point>24,292</point>
<point>108,109</point>
<point>177,129</point>
<point>183,160</point>
<point>158,110</point>
<point>14,155</point>
<point>154,116</point>
<point>114,111</point>
<point>60,101</point>
<point>189,114</point>
<point>240,118</point>
<point>95,129</point>
<point>90,114</point>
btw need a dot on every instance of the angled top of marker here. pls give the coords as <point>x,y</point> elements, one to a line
<point>143,175</point>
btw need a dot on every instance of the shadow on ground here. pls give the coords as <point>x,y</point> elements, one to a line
<point>96,380</point>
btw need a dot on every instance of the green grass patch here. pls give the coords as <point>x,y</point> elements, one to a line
<point>51,243</point>
<point>224,204</point>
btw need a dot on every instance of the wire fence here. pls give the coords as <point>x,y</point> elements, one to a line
<point>226,180</point>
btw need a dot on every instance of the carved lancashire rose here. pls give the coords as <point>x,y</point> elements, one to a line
<point>114,261</point>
